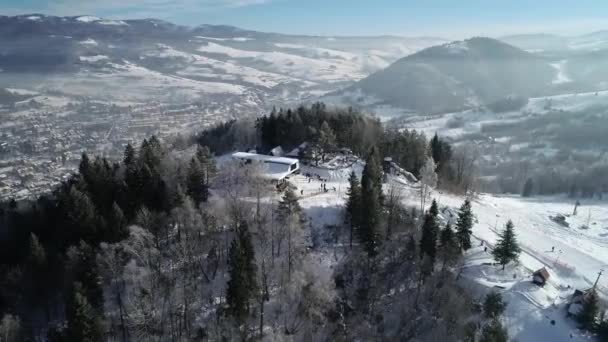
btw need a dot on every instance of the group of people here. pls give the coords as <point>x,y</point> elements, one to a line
<point>322,186</point>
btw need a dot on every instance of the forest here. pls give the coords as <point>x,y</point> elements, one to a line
<point>168,245</point>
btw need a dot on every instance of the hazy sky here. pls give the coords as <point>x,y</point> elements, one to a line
<point>448,18</point>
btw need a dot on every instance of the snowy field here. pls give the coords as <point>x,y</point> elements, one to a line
<point>572,255</point>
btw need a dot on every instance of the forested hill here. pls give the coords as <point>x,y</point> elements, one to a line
<point>140,249</point>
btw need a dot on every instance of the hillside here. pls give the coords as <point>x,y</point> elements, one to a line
<point>151,58</point>
<point>477,71</point>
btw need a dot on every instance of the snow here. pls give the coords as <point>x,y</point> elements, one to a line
<point>573,264</point>
<point>457,47</point>
<point>112,22</point>
<point>294,65</point>
<point>34,18</point>
<point>89,41</point>
<point>87,19</point>
<point>93,59</point>
<point>561,76</point>
<point>234,39</point>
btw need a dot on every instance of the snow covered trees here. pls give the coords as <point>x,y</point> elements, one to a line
<point>507,248</point>
<point>428,180</point>
<point>464,225</point>
<point>371,204</point>
<point>242,285</point>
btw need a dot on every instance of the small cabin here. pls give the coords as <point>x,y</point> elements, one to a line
<point>540,277</point>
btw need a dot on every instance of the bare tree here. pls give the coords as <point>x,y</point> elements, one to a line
<point>428,180</point>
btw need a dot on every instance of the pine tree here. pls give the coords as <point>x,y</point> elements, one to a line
<point>527,191</point>
<point>371,205</point>
<point>208,165</point>
<point>291,216</point>
<point>242,286</point>
<point>587,317</point>
<point>129,156</point>
<point>83,324</point>
<point>353,204</point>
<point>197,190</point>
<point>493,331</point>
<point>447,236</point>
<point>493,305</point>
<point>430,231</point>
<point>507,249</point>
<point>37,256</point>
<point>464,225</point>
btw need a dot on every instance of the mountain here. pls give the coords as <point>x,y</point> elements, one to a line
<point>135,61</point>
<point>454,76</point>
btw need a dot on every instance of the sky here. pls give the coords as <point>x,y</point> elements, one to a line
<point>444,18</point>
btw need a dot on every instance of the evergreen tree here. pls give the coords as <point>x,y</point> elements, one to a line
<point>83,323</point>
<point>507,249</point>
<point>242,286</point>
<point>129,157</point>
<point>208,165</point>
<point>528,187</point>
<point>197,189</point>
<point>441,152</point>
<point>117,225</point>
<point>493,305</point>
<point>430,231</point>
<point>353,204</point>
<point>587,317</point>
<point>84,167</point>
<point>447,236</point>
<point>493,331</point>
<point>464,225</point>
<point>37,256</point>
<point>291,216</point>
<point>371,205</point>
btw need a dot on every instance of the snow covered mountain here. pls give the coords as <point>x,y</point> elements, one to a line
<point>453,76</point>
<point>140,60</point>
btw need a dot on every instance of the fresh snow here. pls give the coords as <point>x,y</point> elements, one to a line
<point>93,59</point>
<point>89,41</point>
<point>577,257</point>
<point>87,19</point>
<point>561,76</point>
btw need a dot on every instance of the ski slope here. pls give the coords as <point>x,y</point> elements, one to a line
<point>533,313</point>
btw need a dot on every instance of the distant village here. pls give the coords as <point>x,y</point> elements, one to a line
<point>42,145</point>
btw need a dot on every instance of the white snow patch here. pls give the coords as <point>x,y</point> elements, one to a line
<point>561,76</point>
<point>34,18</point>
<point>87,19</point>
<point>93,59</point>
<point>112,22</point>
<point>89,41</point>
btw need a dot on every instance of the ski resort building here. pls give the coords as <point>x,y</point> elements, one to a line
<point>277,168</point>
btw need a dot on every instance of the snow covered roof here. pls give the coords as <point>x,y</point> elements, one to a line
<point>264,158</point>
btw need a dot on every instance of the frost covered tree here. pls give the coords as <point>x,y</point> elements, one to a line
<point>464,225</point>
<point>507,249</point>
<point>353,205</point>
<point>10,328</point>
<point>428,180</point>
<point>326,140</point>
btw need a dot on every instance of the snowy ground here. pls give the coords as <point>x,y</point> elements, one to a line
<point>579,253</point>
